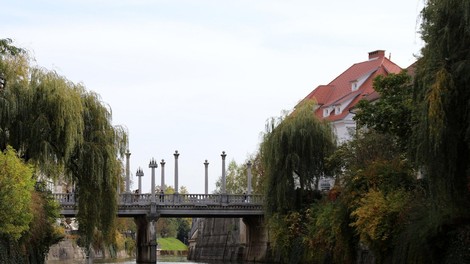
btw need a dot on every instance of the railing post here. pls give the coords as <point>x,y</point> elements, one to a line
<point>153,165</point>
<point>176,171</point>
<point>162,187</point>
<point>206,185</point>
<point>224,191</point>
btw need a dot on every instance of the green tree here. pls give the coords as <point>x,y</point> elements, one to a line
<point>63,130</point>
<point>236,181</point>
<point>293,154</point>
<point>329,236</point>
<point>16,185</point>
<point>442,94</point>
<point>174,227</point>
<point>392,113</point>
<point>183,228</point>
<point>7,49</point>
<point>237,177</point>
<point>441,137</point>
<point>376,191</point>
<point>43,230</point>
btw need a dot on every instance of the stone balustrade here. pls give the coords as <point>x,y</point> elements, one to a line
<point>146,198</point>
<point>197,205</point>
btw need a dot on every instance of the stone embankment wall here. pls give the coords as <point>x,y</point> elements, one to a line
<point>67,249</point>
<point>229,239</point>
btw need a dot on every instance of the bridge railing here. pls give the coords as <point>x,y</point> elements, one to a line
<point>65,198</point>
<point>167,199</point>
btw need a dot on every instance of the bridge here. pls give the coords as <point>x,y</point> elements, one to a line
<point>147,208</point>
<point>175,205</point>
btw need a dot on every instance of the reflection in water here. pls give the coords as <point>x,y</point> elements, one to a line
<point>165,259</point>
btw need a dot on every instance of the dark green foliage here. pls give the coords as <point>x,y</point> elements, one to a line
<point>442,135</point>
<point>442,94</point>
<point>330,239</point>
<point>11,251</point>
<point>377,183</point>
<point>183,229</point>
<point>43,232</point>
<point>391,114</point>
<point>293,155</point>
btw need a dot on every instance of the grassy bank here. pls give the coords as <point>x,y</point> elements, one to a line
<point>171,243</point>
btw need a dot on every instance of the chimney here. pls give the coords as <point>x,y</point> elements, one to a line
<point>376,54</point>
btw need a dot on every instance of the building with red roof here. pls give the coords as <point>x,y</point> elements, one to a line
<point>336,99</point>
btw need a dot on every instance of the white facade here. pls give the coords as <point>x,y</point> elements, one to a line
<point>344,129</point>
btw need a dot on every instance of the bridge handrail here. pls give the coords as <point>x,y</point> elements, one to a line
<point>165,199</point>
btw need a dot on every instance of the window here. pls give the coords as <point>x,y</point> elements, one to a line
<point>338,110</point>
<point>354,85</point>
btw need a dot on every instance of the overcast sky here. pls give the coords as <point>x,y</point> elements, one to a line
<point>203,77</point>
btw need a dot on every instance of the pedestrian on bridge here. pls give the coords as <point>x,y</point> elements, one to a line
<point>136,196</point>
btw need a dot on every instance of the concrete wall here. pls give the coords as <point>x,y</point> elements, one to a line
<point>230,239</point>
<point>218,239</point>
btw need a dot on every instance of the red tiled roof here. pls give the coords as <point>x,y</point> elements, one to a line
<point>340,91</point>
<point>321,94</point>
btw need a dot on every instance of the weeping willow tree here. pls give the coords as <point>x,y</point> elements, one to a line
<point>65,131</point>
<point>293,155</point>
<point>442,93</point>
<point>441,137</point>
<point>95,168</point>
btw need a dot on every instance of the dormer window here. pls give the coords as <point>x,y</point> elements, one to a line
<point>326,112</point>
<point>337,109</point>
<point>354,85</point>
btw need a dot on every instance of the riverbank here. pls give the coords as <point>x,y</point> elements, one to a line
<point>68,249</point>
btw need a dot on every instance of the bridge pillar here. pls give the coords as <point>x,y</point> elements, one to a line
<point>146,240</point>
<point>257,240</point>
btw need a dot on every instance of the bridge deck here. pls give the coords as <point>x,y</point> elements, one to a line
<point>176,205</point>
